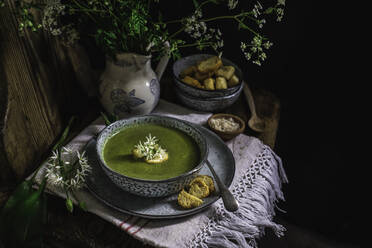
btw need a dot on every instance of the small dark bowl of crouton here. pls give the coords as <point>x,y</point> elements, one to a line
<point>211,104</point>
<point>207,76</point>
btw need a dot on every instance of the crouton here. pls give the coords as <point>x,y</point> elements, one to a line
<point>202,76</point>
<point>226,72</point>
<point>199,188</point>
<point>208,181</point>
<point>209,65</point>
<point>187,200</point>
<point>221,83</point>
<point>189,71</point>
<point>192,81</point>
<point>234,80</point>
<point>209,84</point>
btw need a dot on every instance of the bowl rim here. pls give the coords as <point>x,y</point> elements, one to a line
<point>221,115</point>
<point>195,169</point>
<point>204,90</point>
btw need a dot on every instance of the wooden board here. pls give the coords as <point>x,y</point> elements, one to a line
<point>39,91</point>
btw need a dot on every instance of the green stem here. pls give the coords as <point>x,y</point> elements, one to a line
<point>233,17</point>
<point>251,30</point>
<point>226,17</point>
<point>177,32</point>
<point>195,44</point>
<point>88,14</point>
<point>89,10</point>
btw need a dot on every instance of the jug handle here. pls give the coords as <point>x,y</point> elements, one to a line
<point>163,62</point>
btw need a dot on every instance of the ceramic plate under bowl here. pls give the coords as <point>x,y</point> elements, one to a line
<point>105,190</point>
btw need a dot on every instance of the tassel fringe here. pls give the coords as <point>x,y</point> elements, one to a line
<point>257,192</point>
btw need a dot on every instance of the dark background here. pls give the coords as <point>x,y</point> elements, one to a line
<point>310,70</point>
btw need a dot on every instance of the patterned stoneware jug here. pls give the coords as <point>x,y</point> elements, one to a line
<point>129,86</point>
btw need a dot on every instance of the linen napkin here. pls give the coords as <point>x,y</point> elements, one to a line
<point>257,187</point>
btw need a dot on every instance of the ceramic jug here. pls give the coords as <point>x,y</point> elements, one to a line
<point>129,86</point>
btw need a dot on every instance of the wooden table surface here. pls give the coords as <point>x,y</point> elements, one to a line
<point>83,229</point>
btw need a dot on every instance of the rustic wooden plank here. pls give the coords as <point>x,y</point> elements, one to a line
<point>29,127</point>
<point>42,92</point>
<point>7,176</point>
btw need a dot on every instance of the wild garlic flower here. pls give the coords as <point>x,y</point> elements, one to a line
<point>150,149</point>
<point>67,169</point>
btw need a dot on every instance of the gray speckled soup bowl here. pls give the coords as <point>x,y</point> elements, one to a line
<point>146,187</point>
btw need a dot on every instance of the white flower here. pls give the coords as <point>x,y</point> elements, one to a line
<point>67,170</point>
<point>257,9</point>
<point>150,149</point>
<point>279,14</point>
<point>281,2</point>
<point>243,46</point>
<point>52,11</point>
<point>261,23</point>
<point>232,4</point>
<point>193,26</point>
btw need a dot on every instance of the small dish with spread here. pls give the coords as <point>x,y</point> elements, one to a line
<point>227,126</point>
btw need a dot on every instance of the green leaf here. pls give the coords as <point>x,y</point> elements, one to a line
<point>196,4</point>
<point>83,206</point>
<point>7,213</point>
<point>107,121</point>
<point>109,118</point>
<point>269,10</point>
<point>69,205</point>
<point>64,134</point>
<point>20,194</point>
<point>242,25</point>
<point>160,17</point>
<point>25,220</point>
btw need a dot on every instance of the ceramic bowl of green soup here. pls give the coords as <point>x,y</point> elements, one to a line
<point>151,155</point>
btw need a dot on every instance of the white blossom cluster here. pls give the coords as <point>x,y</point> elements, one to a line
<point>52,13</point>
<point>257,9</point>
<point>231,4</point>
<point>197,29</point>
<point>280,10</point>
<point>215,36</point>
<point>64,172</point>
<point>150,149</point>
<point>193,26</point>
<point>255,49</point>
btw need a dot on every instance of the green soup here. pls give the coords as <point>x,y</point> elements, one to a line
<point>183,152</point>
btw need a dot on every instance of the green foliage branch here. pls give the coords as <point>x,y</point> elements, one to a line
<point>140,26</point>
